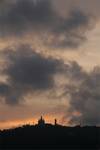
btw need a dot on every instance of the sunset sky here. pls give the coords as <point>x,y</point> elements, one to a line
<point>49,61</point>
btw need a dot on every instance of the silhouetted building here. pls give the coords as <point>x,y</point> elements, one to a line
<point>41,122</point>
<point>55,122</point>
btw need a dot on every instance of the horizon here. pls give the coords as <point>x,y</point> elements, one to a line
<point>47,121</point>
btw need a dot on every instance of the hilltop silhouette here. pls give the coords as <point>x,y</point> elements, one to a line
<point>44,135</point>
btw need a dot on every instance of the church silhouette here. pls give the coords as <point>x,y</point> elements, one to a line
<point>42,123</point>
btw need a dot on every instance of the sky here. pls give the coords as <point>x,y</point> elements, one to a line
<point>49,62</point>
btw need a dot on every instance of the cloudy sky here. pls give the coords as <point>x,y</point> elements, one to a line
<point>49,61</point>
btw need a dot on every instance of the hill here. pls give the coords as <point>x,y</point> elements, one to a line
<point>50,136</point>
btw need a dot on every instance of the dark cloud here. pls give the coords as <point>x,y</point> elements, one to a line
<point>28,68</point>
<point>25,15</point>
<point>74,71</point>
<point>85,99</point>
<point>71,31</point>
<point>4,89</point>
<point>42,18</point>
<point>9,94</point>
<point>27,71</point>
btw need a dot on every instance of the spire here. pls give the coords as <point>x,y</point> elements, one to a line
<point>41,122</point>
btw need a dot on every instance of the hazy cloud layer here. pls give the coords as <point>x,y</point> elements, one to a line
<point>40,17</point>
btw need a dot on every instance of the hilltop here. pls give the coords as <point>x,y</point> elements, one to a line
<point>45,135</point>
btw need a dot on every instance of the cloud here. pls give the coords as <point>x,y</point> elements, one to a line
<point>84,98</point>
<point>27,71</point>
<point>71,31</point>
<point>41,18</point>
<point>30,68</point>
<point>89,6</point>
<point>4,89</point>
<point>74,71</point>
<point>25,15</point>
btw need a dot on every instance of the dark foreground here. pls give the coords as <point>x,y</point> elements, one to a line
<point>50,137</point>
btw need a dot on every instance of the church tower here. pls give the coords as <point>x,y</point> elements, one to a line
<point>41,122</point>
<point>55,122</point>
